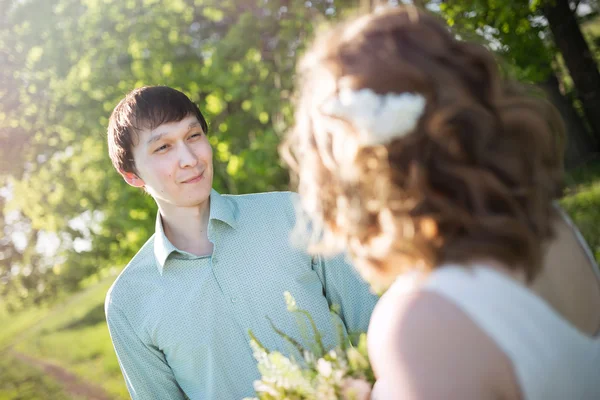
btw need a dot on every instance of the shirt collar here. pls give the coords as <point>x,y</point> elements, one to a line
<point>221,209</point>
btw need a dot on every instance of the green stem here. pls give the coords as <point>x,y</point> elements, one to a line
<point>316,332</point>
<point>292,341</point>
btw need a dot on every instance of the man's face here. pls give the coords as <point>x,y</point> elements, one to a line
<point>174,164</point>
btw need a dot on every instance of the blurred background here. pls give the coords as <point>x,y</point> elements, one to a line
<point>69,224</point>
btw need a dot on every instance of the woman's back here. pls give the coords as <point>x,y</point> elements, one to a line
<point>570,279</point>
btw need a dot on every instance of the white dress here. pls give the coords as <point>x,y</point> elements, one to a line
<point>551,358</point>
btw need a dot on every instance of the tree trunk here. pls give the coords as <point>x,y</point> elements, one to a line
<point>579,60</point>
<point>579,146</point>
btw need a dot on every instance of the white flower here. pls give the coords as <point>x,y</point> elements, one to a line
<point>290,302</point>
<point>324,367</point>
<point>262,387</point>
<point>378,118</point>
<point>309,357</point>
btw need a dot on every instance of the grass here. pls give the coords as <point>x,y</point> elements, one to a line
<point>73,335</point>
<point>13,325</point>
<point>19,381</point>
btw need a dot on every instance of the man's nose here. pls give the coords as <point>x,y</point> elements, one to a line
<point>187,158</point>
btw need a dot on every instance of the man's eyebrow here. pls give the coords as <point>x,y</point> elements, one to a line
<point>156,138</point>
<point>159,136</point>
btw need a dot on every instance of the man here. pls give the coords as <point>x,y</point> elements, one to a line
<point>216,267</point>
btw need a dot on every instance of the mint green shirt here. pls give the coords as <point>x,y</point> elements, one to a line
<point>179,323</point>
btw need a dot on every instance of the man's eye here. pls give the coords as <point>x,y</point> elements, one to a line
<point>161,148</point>
<point>196,135</point>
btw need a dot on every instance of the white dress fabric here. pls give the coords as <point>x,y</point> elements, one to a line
<point>550,357</point>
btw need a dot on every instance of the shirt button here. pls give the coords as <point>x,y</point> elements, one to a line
<point>234,299</point>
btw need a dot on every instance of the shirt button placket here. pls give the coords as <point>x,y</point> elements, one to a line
<point>214,261</point>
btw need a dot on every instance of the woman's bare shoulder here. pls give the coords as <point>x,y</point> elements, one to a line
<point>422,346</point>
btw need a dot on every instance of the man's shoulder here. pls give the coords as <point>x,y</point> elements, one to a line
<point>143,264</point>
<point>278,198</point>
<point>268,206</point>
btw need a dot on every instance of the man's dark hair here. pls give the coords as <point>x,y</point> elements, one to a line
<point>145,108</point>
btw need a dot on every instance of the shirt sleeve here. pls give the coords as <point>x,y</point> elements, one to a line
<point>145,369</point>
<point>345,289</point>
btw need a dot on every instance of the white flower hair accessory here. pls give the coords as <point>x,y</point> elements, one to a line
<point>378,118</point>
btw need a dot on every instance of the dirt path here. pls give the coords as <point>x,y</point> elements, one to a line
<point>72,384</point>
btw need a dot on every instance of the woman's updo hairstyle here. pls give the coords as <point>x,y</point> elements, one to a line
<point>475,177</point>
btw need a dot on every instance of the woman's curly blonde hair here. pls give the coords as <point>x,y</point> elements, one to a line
<point>475,179</point>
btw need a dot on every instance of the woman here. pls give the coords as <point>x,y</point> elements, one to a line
<point>441,180</point>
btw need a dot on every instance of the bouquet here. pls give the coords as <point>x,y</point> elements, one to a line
<point>343,372</point>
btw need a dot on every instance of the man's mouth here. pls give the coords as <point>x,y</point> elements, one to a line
<point>194,179</point>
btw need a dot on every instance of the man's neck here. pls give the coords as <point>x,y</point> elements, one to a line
<point>187,228</point>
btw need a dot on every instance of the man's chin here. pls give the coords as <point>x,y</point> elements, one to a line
<point>196,200</point>
<point>198,197</point>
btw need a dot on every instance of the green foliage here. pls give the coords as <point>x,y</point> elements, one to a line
<point>68,63</point>
<point>582,203</point>
<point>512,29</point>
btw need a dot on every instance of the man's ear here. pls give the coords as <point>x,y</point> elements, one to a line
<point>132,179</point>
